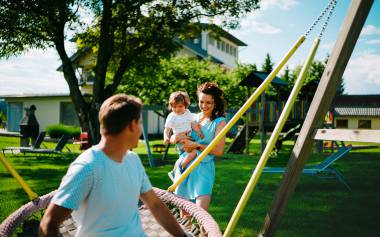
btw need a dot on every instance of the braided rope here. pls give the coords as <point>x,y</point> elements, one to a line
<point>9,225</point>
<point>68,228</point>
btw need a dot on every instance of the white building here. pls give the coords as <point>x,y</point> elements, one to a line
<point>357,112</point>
<point>51,109</point>
<point>222,49</point>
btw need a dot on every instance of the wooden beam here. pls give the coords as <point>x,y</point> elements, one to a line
<point>348,135</point>
<point>323,97</point>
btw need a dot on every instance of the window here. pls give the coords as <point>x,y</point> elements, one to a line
<point>211,40</point>
<point>234,51</point>
<point>364,123</point>
<point>227,48</point>
<point>68,115</point>
<point>218,44</point>
<point>341,123</point>
<point>223,46</point>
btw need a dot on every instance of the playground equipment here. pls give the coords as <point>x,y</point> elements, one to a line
<point>326,90</point>
<point>323,169</point>
<point>324,95</point>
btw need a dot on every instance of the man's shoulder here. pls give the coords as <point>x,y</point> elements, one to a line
<point>89,158</point>
<point>134,158</point>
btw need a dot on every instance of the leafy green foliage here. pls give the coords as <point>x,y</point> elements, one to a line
<point>268,64</point>
<point>314,200</point>
<point>312,79</point>
<point>57,130</point>
<point>129,35</point>
<point>185,74</point>
<point>3,118</point>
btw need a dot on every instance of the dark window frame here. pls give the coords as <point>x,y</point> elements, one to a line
<point>365,123</point>
<point>338,123</point>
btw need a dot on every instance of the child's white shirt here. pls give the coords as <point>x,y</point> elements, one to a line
<point>179,123</point>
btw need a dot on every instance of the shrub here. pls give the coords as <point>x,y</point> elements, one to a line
<point>3,118</point>
<point>57,130</point>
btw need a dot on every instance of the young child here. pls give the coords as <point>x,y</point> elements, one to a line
<point>181,120</point>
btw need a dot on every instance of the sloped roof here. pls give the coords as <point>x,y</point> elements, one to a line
<point>357,105</point>
<point>255,78</point>
<point>199,51</point>
<point>75,57</point>
<point>357,100</point>
<point>225,34</point>
<point>357,111</point>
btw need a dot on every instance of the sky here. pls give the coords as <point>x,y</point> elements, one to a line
<point>273,29</point>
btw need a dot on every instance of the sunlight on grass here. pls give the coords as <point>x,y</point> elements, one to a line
<point>319,207</point>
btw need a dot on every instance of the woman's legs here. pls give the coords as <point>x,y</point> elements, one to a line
<point>203,201</point>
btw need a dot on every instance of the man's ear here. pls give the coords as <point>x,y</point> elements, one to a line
<point>133,125</point>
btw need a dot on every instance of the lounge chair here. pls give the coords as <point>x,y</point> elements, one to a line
<point>35,145</point>
<point>56,150</point>
<point>323,169</point>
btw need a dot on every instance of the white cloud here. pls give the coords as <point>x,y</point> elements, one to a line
<point>328,46</point>
<point>282,4</point>
<point>375,41</point>
<point>260,27</point>
<point>251,23</point>
<point>33,72</point>
<point>362,75</point>
<point>370,30</point>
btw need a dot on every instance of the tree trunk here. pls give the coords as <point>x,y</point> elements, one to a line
<point>88,119</point>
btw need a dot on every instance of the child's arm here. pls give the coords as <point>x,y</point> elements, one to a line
<point>197,128</point>
<point>167,135</point>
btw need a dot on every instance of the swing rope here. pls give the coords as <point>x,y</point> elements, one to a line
<point>251,99</point>
<point>276,132</point>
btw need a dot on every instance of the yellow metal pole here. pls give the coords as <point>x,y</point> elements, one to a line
<point>19,179</point>
<point>275,134</point>
<point>240,112</point>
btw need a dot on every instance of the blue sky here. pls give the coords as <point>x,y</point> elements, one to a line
<point>272,29</point>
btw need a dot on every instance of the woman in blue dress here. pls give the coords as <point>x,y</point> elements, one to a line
<point>198,185</point>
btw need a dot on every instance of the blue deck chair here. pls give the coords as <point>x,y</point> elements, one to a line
<point>56,150</point>
<point>323,169</point>
<point>35,145</point>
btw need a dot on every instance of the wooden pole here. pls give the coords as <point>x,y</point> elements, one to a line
<point>323,97</point>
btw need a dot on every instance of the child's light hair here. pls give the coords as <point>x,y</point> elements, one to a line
<point>179,97</point>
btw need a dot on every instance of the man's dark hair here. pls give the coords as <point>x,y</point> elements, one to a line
<point>117,112</point>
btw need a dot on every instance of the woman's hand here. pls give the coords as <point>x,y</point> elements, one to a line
<point>189,146</point>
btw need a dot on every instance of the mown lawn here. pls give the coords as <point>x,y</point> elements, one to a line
<point>319,207</point>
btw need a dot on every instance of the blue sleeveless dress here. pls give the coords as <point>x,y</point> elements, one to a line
<point>201,180</point>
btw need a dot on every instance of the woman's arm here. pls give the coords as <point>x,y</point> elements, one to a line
<point>218,149</point>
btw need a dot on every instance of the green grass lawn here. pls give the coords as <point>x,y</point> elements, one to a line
<point>319,207</point>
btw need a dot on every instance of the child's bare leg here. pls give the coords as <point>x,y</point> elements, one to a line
<point>190,156</point>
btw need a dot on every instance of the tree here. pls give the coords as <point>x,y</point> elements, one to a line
<point>312,79</point>
<point>268,64</point>
<point>267,67</point>
<point>183,73</point>
<point>124,33</point>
